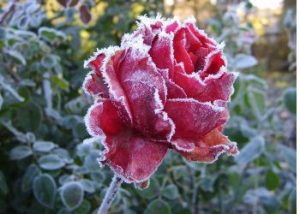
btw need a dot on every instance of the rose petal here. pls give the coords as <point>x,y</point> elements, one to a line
<point>106,117</point>
<point>219,87</point>
<point>193,120</point>
<point>172,26</point>
<point>133,157</point>
<point>162,52</point>
<point>140,81</point>
<point>174,91</point>
<point>206,41</point>
<point>96,63</point>
<point>213,64</point>
<point>210,147</point>
<point>95,86</point>
<point>180,52</point>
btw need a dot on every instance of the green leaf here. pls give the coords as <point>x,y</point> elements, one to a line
<point>251,151</point>
<point>43,146</point>
<point>49,61</point>
<point>84,208</point>
<point>289,155</point>
<point>290,100</point>
<point>60,82</point>
<point>171,192</point>
<point>244,61</point>
<point>3,184</point>
<point>30,117</point>
<point>31,173</point>
<point>72,195</point>
<point>20,152</point>
<point>207,183</point>
<point>17,55</point>
<point>257,101</point>
<point>158,206</point>
<point>88,185</point>
<point>44,190</point>
<point>51,162</point>
<point>52,35</point>
<point>293,201</point>
<point>272,180</point>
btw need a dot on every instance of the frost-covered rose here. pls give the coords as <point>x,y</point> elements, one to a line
<point>166,87</point>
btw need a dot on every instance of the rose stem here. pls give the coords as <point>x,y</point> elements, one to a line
<point>110,194</point>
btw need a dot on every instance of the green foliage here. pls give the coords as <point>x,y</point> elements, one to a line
<point>46,167</point>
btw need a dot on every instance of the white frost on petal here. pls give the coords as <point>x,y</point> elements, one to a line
<point>93,131</point>
<point>192,100</point>
<point>106,51</point>
<point>159,110</point>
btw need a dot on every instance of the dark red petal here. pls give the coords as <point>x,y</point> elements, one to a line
<point>95,86</point>
<point>213,64</point>
<point>174,91</point>
<point>162,53</point>
<point>192,42</point>
<point>206,41</point>
<point>106,117</point>
<point>180,52</point>
<point>95,63</point>
<point>218,87</point>
<point>111,76</point>
<point>210,147</point>
<point>193,119</point>
<point>132,74</point>
<point>132,157</point>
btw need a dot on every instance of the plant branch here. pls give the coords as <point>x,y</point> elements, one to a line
<point>10,9</point>
<point>110,194</point>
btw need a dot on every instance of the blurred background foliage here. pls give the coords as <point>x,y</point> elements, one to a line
<point>47,160</point>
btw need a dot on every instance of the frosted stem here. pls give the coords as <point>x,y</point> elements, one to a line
<point>110,195</point>
<point>47,90</point>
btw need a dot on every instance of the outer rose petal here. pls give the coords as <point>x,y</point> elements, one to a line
<point>210,147</point>
<point>134,76</point>
<point>193,120</point>
<point>96,63</point>
<point>94,85</point>
<point>134,158</point>
<point>106,117</point>
<point>218,87</point>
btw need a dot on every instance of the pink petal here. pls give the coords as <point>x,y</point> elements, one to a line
<point>210,147</point>
<point>132,157</point>
<point>106,117</point>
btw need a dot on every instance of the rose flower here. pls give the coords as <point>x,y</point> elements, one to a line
<point>166,87</point>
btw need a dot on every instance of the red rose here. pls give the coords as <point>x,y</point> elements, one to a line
<point>165,88</point>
